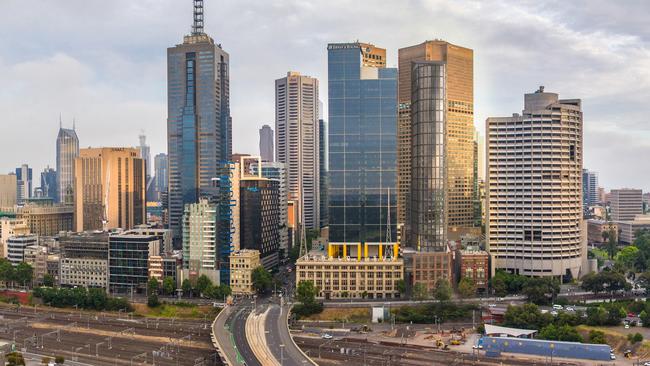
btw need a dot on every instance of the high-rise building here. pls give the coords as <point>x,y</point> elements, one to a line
<point>534,188</point>
<point>458,113</point>
<point>23,184</point>
<point>296,136</point>
<point>625,204</point>
<point>589,189</point>
<point>259,216</point>
<point>48,184</point>
<point>200,240</point>
<point>278,172</point>
<point>322,167</point>
<point>198,123</point>
<point>8,191</point>
<point>109,189</point>
<point>145,154</point>
<point>160,170</point>
<point>362,144</point>
<point>266,143</point>
<point>67,150</point>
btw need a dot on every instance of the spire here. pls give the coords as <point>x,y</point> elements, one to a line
<point>74,122</point>
<point>197,27</point>
<point>60,121</point>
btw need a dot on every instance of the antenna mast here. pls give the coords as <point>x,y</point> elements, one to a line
<point>197,27</point>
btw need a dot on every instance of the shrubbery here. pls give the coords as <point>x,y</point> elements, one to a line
<point>93,299</point>
<point>427,313</point>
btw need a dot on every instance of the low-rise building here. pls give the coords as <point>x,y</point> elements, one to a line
<point>53,266</point>
<point>427,267</point>
<point>475,265</point>
<point>242,264</point>
<point>128,261</point>
<point>84,260</point>
<point>36,256</point>
<point>45,218</point>
<point>10,226</point>
<point>155,268</point>
<point>628,229</point>
<point>16,247</point>
<point>337,278</point>
<point>596,228</point>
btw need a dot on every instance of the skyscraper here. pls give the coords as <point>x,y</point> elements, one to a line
<point>160,170</point>
<point>23,183</point>
<point>589,189</point>
<point>198,123</point>
<point>266,143</point>
<point>322,167</point>
<point>8,192</point>
<point>200,239</point>
<point>362,144</point>
<point>296,128</point>
<point>48,184</point>
<point>459,121</point>
<point>534,188</point>
<point>109,189</point>
<point>626,203</point>
<point>145,154</point>
<point>278,172</point>
<point>67,150</point>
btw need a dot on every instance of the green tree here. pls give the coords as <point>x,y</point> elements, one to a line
<point>442,291</point>
<point>563,333</point>
<point>168,285</point>
<point>152,286</point>
<point>499,286</point>
<point>466,287</point>
<point>186,286</point>
<point>400,285</point>
<point>202,284</point>
<point>420,291</point>
<point>152,300</point>
<point>627,257</point>
<point>262,280</point>
<point>59,360</point>
<point>6,271</point>
<point>45,360</point>
<point>541,290</point>
<point>597,337</point>
<point>23,274</point>
<point>48,280</point>
<point>306,292</point>
<point>612,242</point>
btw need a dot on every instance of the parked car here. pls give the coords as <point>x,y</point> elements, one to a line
<point>558,307</point>
<point>326,336</point>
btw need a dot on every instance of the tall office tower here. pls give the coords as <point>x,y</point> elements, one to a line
<point>296,136</point>
<point>362,144</point>
<point>161,165</point>
<point>109,189</point>
<point>534,188</point>
<point>200,239</point>
<point>198,122</point>
<point>278,172</point>
<point>23,183</point>
<point>67,150</point>
<point>8,192</point>
<point>145,154</point>
<point>259,216</point>
<point>589,190</point>
<point>48,184</point>
<point>459,119</point>
<point>625,204</point>
<point>322,167</point>
<point>266,143</point>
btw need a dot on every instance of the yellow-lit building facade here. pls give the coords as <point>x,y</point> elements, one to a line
<point>109,189</point>
<point>242,264</point>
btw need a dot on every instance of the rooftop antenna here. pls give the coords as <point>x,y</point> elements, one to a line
<point>60,121</point>
<point>197,27</point>
<point>74,123</point>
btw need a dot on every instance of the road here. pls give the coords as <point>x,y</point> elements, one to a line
<point>237,324</point>
<point>279,340</point>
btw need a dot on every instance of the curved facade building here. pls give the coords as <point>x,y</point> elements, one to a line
<point>534,190</point>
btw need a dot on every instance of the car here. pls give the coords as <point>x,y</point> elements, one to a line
<point>570,308</point>
<point>554,313</point>
<point>492,305</point>
<point>479,346</point>
<point>611,356</point>
<point>558,307</point>
<point>326,336</point>
<point>646,363</point>
<point>627,326</point>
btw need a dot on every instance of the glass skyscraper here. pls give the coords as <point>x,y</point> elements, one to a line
<point>67,149</point>
<point>198,123</point>
<point>362,144</point>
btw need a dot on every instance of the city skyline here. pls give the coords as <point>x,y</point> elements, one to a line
<point>598,62</point>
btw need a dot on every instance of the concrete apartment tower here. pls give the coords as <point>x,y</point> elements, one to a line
<point>297,142</point>
<point>459,137</point>
<point>109,189</point>
<point>626,203</point>
<point>266,143</point>
<point>534,188</point>
<point>67,150</point>
<point>199,135</point>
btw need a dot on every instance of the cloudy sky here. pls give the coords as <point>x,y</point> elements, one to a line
<point>103,63</point>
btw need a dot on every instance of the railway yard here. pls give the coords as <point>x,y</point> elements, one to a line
<point>94,338</point>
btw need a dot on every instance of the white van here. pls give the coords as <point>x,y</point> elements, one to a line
<point>557,307</point>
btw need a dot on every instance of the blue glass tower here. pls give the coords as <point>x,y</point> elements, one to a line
<point>198,123</point>
<point>362,144</point>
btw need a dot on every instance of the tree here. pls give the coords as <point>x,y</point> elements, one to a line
<point>59,360</point>
<point>186,286</point>
<point>15,359</point>
<point>202,284</point>
<point>526,316</point>
<point>611,242</point>
<point>152,286</point>
<point>45,360</point>
<point>563,333</point>
<point>499,287</point>
<point>442,291</point>
<point>6,271</point>
<point>48,280</point>
<point>597,337</point>
<point>420,291</point>
<point>306,292</point>
<point>168,286</point>
<point>152,300</point>
<point>541,290</point>
<point>466,287</point>
<point>262,280</point>
<point>23,274</point>
<point>627,257</point>
<point>400,285</point>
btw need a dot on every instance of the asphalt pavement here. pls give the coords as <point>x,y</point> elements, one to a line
<point>279,340</point>
<point>237,324</point>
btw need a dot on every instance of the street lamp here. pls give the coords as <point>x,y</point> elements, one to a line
<point>281,354</point>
